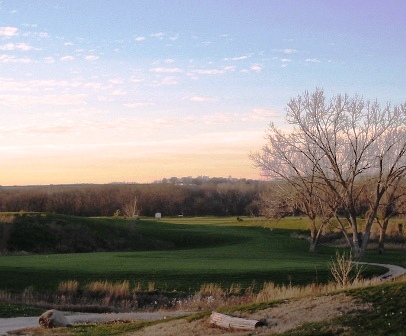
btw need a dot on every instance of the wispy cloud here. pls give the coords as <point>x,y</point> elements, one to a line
<point>218,119</point>
<point>13,59</point>
<point>166,70</point>
<point>139,38</point>
<point>313,60</point>
<point>8,31</point>
<point>31,100</point>
<point>216,71</point>
<point>67,58</point>
<point>92,58</point>
<point>16,46</point>
<point>201,99</point>
<point>239,58</point>
<point>260,114</point>
<point>168,80</point>
<point>256,68</point>
<point>159,35</point>
<point>139,104</point>
<point>290,51</point>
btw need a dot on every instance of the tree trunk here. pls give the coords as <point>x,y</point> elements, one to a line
<point>382,236</point>
<point>314,236</point>
<point>356,238</point>
<point>314,246</point>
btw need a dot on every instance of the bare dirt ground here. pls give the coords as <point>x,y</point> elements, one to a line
<point>286,316</point>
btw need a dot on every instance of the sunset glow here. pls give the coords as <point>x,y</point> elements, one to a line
<point>135,91</point>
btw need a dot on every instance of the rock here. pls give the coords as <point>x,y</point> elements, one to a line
<point>53,319</point>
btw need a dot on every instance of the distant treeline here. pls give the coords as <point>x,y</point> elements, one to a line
<point>200,196</point>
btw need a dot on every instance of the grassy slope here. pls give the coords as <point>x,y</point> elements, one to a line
<point>180,253</point>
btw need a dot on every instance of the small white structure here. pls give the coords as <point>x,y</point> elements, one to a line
<point>158,215</point>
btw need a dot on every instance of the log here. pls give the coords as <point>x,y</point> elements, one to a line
<point>227,321</point>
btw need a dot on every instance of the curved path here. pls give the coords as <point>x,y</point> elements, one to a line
<point>15,323</point>
<point>392,273</point>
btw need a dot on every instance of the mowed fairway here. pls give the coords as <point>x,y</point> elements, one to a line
<point>200,251</point>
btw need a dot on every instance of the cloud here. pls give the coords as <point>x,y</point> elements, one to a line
<point>31,100</point>
<point>201,99</point>
<point>49,60</point>
<point>67,58</point>
<point>8,31</point>
<point>139,38</point>
<point>169,80</point>
<point>91,58</point>
<point>256,68</point>
<point>214,71</point>
<point>289,51</point>
<point>240,58</point>
<point>13,59</point>
<point>260,114</point>
<point>139,104</point>
<point>116,81</point>
<point>16,46</point>
<point>119,92</point>
<point>166,70</point>
<point>218,119</point>
<point>312,60</point>
<point>159,35</point>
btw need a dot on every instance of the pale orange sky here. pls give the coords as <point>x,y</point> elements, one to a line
<point>137,91</point>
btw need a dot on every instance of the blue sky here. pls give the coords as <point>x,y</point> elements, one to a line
<point>104,91</point>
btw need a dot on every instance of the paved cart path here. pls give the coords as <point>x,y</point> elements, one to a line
<point>16,323</point>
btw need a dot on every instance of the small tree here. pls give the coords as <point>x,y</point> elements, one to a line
<point>131,209</point>
<point>344,270</point>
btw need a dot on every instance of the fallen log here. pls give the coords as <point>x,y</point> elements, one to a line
<point>227,321</point>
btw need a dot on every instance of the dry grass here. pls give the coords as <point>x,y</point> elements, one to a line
<point>116,290</point>
<point>68,287</point>
<point>213,296</point>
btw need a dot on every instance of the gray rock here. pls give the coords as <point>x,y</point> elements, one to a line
<point>53,319</point>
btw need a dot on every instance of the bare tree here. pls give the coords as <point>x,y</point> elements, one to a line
<point>393,204</point>
<point>340,146</point>
<point>285,161</point>
<point>131,209</point>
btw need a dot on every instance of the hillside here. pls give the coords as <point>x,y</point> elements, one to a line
<point>51,233</point>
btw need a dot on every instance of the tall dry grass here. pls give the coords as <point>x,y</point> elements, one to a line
<point>104,296</point>
<point>116,290</point>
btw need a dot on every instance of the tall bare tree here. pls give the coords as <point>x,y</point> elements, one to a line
<point>131,209</point>
<point>339,146</point>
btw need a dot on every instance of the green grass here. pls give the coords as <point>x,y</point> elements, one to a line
<point>11,310</point>
<point>176,254</point>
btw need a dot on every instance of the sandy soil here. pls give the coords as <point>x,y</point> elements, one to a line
<point>284,317</point>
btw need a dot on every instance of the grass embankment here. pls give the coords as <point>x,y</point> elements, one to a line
<point>175,255</point>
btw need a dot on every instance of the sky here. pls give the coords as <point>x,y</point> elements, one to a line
<point>102,91</point>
